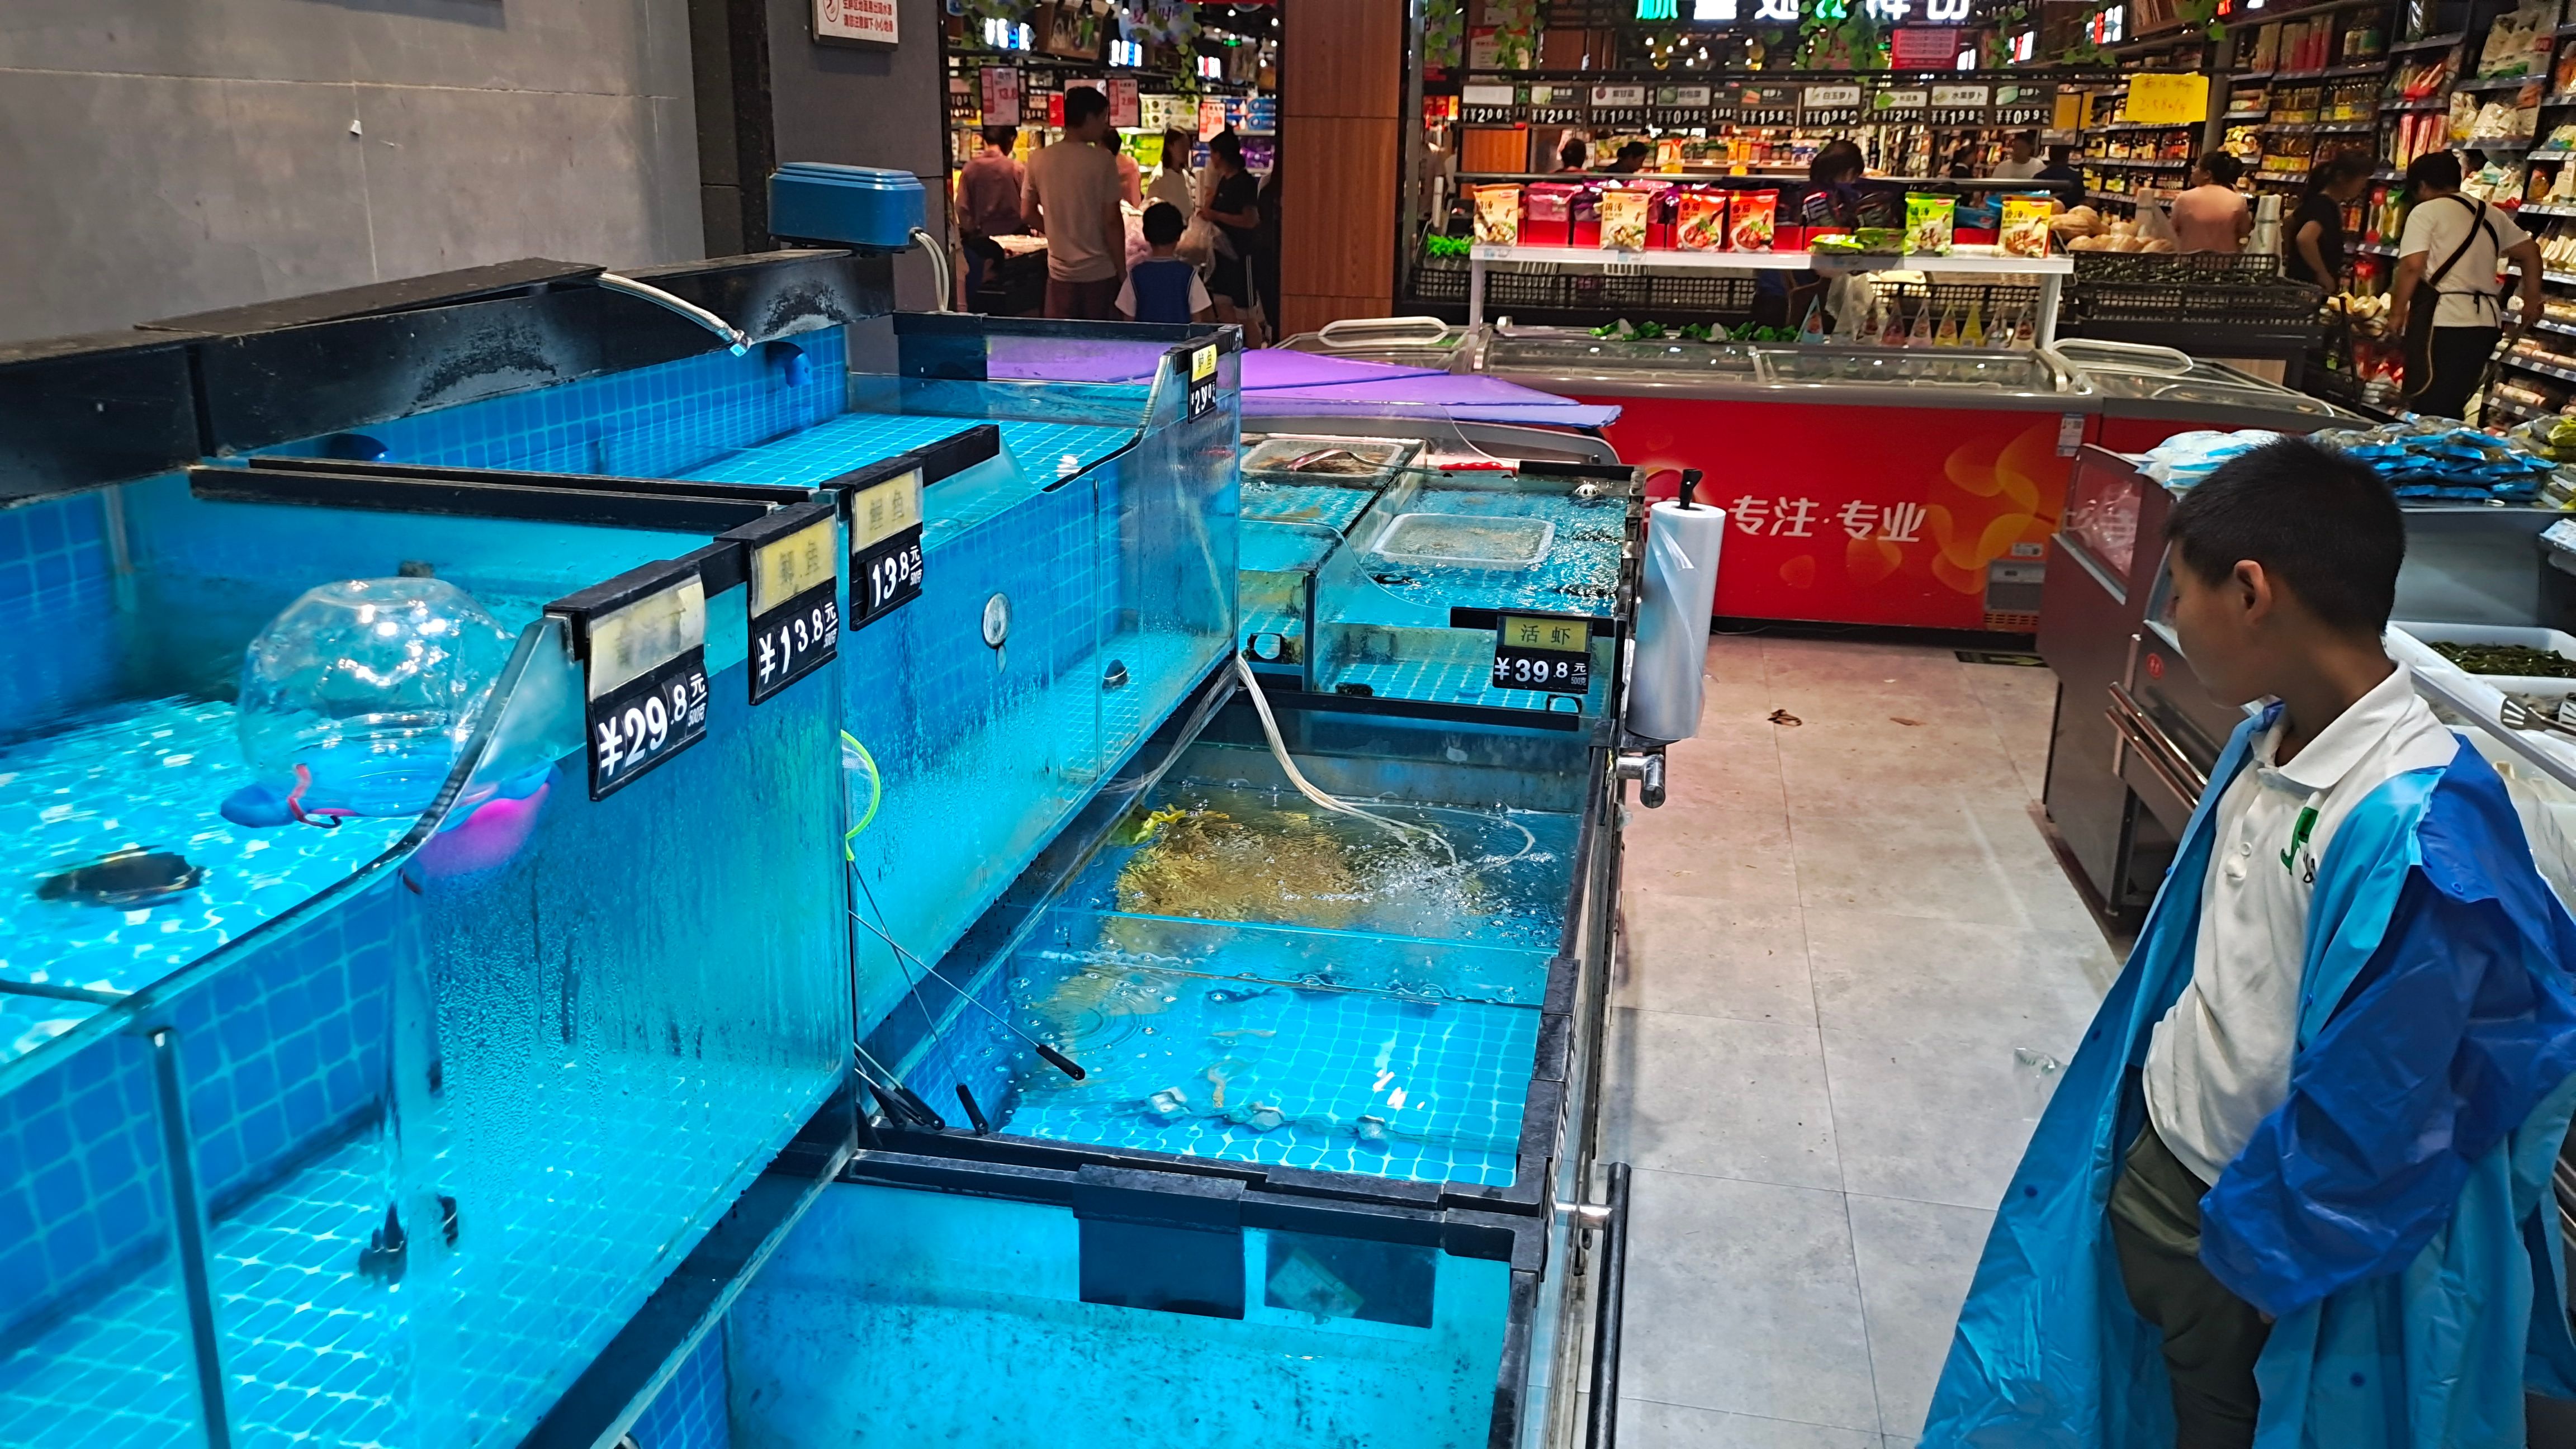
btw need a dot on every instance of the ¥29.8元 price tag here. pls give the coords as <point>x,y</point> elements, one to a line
<point>794,594</point>
<point>645,676</point>
<point>885,547</point>
<point>1542,651</point>
<point>1201,367</point>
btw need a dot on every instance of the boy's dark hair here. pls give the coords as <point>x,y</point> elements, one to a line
<point>2320,523</point>
<point>1635,150</point>
<point>1162,224</point>
<point>2222,167</point>
<point>1571,155</point>
<point>1228,147</point>
<point>1081,103</point>
<point>1004,137</point>
<point>2433,171</point>
<point>2057,155</point>
<point>1837,160</point>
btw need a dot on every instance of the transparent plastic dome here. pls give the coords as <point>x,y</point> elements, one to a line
<point>356,699</point>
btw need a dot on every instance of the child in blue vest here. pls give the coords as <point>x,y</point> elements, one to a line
<point>1163,288</point>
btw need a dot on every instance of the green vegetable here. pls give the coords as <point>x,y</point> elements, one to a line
<point>2508,659</point>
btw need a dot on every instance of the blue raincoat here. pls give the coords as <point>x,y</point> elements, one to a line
<point>2394,1213</point>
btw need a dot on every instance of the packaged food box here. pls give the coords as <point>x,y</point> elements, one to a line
<point>1546,215</point>
<point>1623,220</point>
<point>1701,225</point>
<point>1749,218</point>
<point>2025,225</point>
<point>1583,215</point>
<point>1498,215</point>
<point>1928,221</point>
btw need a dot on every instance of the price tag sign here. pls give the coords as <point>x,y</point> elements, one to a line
<point>2168,100</point>
<point>885,546</point>
<point>793,593</point>
<point>1199,366</point>
<point>644,667</point>
<point>1543,651</point>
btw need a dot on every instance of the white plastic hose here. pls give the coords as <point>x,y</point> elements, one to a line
<point>938,255</point>
<point>1305,787</point>
<point>734,336</point>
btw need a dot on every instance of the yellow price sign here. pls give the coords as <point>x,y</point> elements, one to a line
<point>2167,100</point>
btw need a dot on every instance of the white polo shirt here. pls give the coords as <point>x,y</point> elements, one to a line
<point>2219,1062</point>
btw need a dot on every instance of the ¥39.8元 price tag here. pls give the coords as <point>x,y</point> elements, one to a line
<point>793,564</point>
<point>1543,651</point>
<point>644,666</point>
<point>885,547</point>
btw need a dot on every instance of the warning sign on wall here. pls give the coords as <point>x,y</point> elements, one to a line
<point>855,22</point>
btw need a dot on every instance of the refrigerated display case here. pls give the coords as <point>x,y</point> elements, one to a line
<point>2150,393</point>
<point>2135,735</point>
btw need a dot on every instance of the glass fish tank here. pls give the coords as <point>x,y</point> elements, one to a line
<point>1459,546</point>
<point>1243,974</point>
<point>359,1072</point>
<point>1130,1315</point>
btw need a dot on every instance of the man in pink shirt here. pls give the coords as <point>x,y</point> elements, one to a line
<point>2212,216</point>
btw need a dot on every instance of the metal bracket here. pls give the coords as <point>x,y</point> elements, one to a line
<point>1646,767</point>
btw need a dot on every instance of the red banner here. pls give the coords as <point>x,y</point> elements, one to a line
<point>1925,517</point>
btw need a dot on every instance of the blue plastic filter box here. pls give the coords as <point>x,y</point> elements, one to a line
<point>860,206</point>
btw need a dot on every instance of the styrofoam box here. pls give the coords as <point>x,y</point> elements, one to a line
<point>2562,645</point>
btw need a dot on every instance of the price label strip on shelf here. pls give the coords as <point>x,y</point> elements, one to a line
<point>794,594</point>
<point>885,544</point>
<point>1547,652</point>
<point>642,640</point>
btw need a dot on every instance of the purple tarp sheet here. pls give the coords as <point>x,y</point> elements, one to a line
<point>1280,383</point>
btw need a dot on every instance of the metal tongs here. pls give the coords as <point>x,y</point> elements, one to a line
<point>2515,715</point>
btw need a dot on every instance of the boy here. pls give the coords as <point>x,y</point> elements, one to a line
<point>2293,1178</point>
<point>1163,288</point>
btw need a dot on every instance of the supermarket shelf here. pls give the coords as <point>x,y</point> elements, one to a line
<point>2122,198</point>
<point>2318,128</point>
<point>2562,32</point>
<point>2495,82</point>
<point>2542,208</point>
<point>1799,261</point>
<point>2563,98</point>
<point>2148,126</point>
<point>2547,324</point>
<point>2376,249</point>
<point>2511,408</point>
<point>2562,279</point>
<point>2133,164</point>
<point>2332,72</point>
<point>2430,42</point>
<point>2499,143</point>
<point>2244,115</point>
<point>2563,374</point>
<point>2428,103</point>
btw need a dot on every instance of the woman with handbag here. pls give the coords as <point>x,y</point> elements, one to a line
<point>2455,248</point>
<point>1231,201</point>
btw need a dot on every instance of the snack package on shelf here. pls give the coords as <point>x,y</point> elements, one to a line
<point>1623,220</point>
<point>1546,215</point>
<point>1928,223</point>
<point>1498,215</point>
<point>2025,225</point>
<point>1583,217</point>
<point>2518,42</point>
<point>1701,225</point>
<point>1749,220</point>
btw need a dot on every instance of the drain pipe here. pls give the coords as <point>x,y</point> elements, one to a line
<point>734,337</point>
<point>938,255</point>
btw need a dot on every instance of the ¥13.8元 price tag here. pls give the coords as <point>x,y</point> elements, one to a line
<point>644,667</point>
<point>1543,651</point>
<point>793,563</point>
<point>885,546</point>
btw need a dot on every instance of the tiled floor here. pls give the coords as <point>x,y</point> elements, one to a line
<point>1840,932</point>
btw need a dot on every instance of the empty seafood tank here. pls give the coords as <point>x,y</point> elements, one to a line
<point>367,1106</point>
<point>1459,547</point>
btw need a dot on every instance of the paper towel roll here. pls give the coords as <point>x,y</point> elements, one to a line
<point>1666,679</point>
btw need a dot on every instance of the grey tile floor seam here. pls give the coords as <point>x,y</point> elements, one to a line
<point>1838,933</point>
